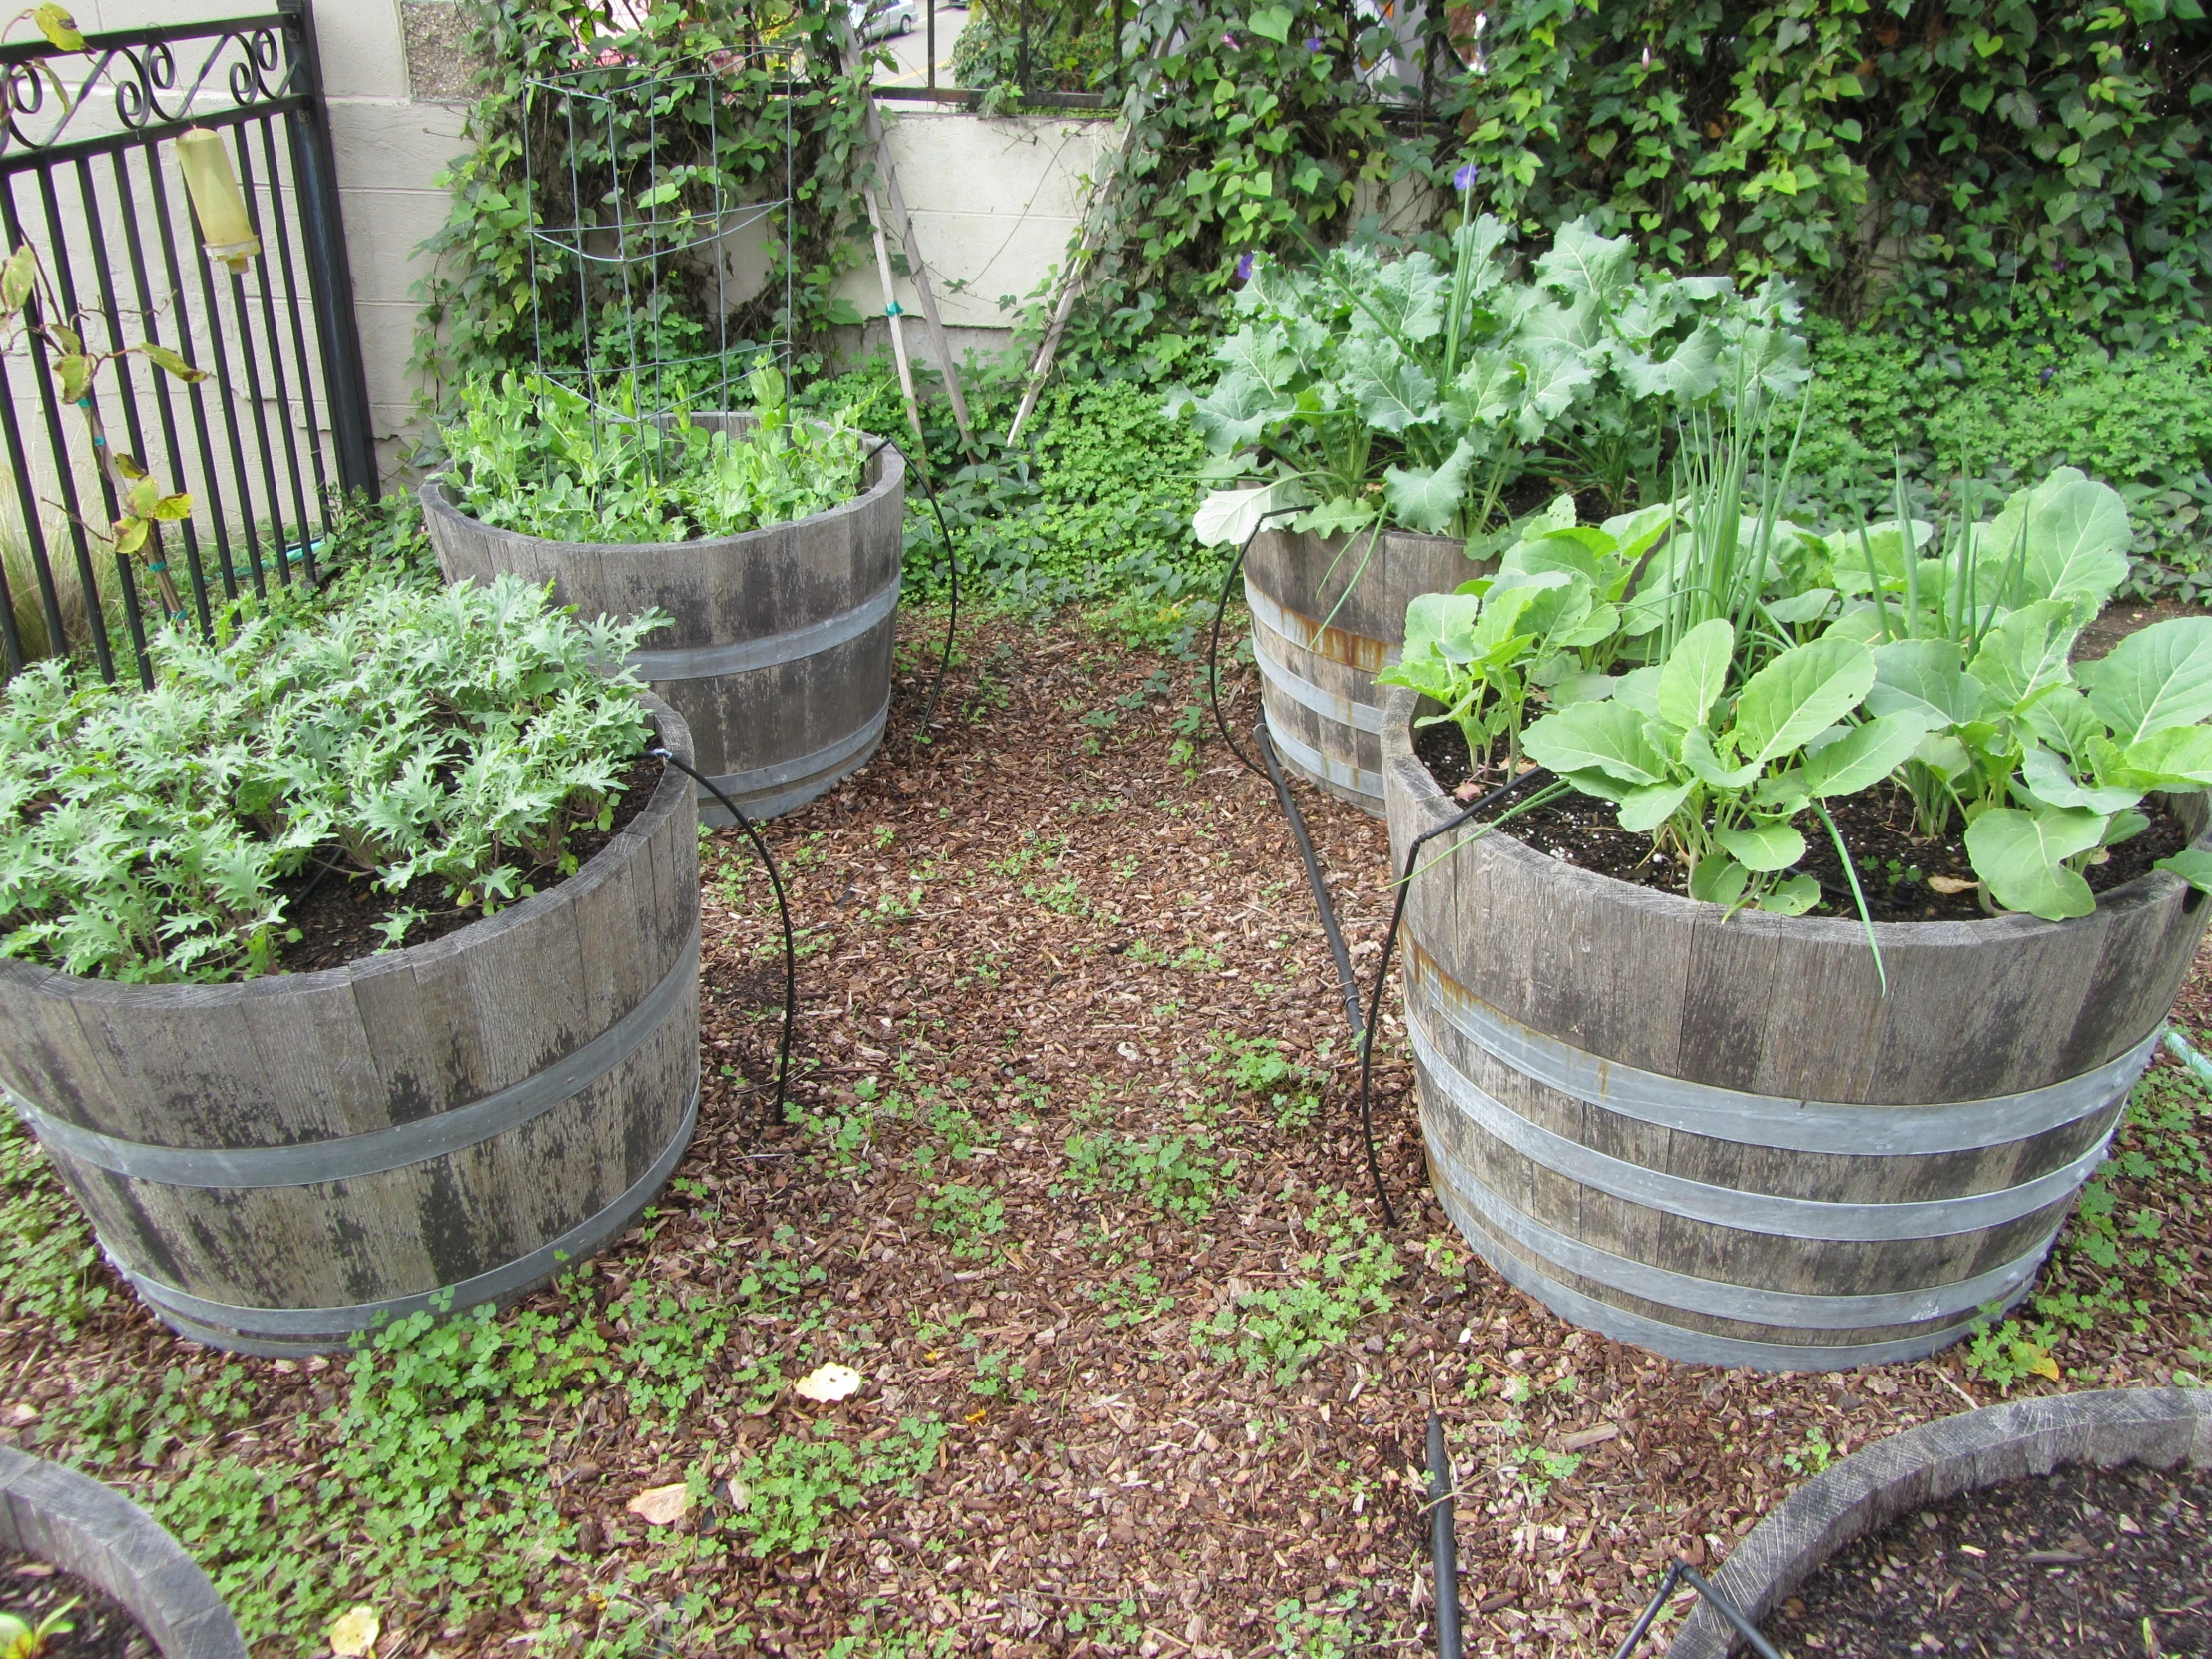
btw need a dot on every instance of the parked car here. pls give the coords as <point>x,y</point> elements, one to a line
<point>881,19</point>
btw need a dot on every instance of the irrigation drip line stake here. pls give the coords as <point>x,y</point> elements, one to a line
<point>1443,1541</point>
<point>782,911</point>
<point>1347,986</point>
<point>1681,1572</point>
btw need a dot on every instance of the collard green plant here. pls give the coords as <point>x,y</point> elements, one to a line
<point>1754,672</point>
<point>459,735</point>
<point>531,456</point>
<point>1417,393</point>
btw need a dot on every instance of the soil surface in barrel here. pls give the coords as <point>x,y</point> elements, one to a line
<point>97,1627</point>
<point>341,916</point>
<point>1903,874</point>
<point>2109,1561</point>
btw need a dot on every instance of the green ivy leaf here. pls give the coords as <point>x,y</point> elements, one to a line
<point>2021,856</point>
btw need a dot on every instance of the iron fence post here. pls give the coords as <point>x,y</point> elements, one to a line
<point>332,283</point>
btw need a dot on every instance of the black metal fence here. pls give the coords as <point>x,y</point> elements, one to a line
<point>89,178</point>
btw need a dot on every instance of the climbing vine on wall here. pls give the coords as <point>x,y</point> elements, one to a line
<point>770,62</point>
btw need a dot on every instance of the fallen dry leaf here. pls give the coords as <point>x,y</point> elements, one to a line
<point>660,1506</point>
<point>1948,884</point>
<point>355,1632</point>
<point>828,1383</point>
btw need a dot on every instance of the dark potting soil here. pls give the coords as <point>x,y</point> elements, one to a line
<point>338,913</point>
<point>1899,871</point>
<point>104,1628</point>
<point>2106,1561</point>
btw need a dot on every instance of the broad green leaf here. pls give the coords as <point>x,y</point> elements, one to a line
<point>1487,390</point>
<point>1588,687</point>
<point>1428,498</point>
<point>1338,517</point>
<point>2021,856</point>
<point>2077,541</point>
<point>1866,753</point>
<point>74,374</point>
<point>1802,691</point>
<point>1696,670</point>
<point>2026,653</point>
<point>162,359</point>
<point>2192,865</point>
<point>1644,810</point>
<point>1238,411</point>
<point>1927,675</point>
<point>1638,689</point>
<point>1580,262</point>
<point>128,465</point>
<point>2173,754</point>
<point>1692,372</point>
<point>129,534</point>
<point>1225,519</point>
<point>1791,898</point>
<point>2049,781</point>
<point>2154,679</point>
<point>2062,717</point>
<point>173,507</point>
<point>1606,736</point>
<point>143,495</point>
<point>1553,377</point>
<point>1635,535</point>
<point>1762,848</point>
<point>1391,392</point>
<point>1942,754</point>
<point>1271,23</point>
<point>1699,756</point>
<point>1718,879</point>
<point>16,280</point>
<point>1801,607</point>
<point>1435,618</point>
<point>60,29</point>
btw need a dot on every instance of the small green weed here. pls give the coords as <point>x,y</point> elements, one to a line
<point>1176,1174</point>
<point>1281,1331</point>
<point>970,1217</point>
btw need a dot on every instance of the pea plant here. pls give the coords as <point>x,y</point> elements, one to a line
<point>532,456</point>
<point>455,737</point>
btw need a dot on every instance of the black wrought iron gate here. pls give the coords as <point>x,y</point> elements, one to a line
<point>264,447</point>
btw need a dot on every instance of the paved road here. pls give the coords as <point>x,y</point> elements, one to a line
<point>911,50</point>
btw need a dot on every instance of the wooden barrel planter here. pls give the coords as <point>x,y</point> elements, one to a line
<point>71,1522</point>
<point>1718,1139</point>
<point>779,651</point>
<point>282,1165</point>
<point>1317,682</point>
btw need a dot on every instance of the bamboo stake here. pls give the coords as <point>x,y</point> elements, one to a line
<point>904,221</point>
<point>892,317</point>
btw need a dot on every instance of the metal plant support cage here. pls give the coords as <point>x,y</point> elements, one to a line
<point>627,202</point>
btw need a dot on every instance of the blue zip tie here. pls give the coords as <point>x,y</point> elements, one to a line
<point>891,309</point>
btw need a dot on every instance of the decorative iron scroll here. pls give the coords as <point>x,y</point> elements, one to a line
<point>137,83</point>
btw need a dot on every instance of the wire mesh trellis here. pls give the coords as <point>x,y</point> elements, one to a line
<point>88,177</point>
<point>647,190</point>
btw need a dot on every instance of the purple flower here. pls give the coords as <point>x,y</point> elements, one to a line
<point>2047,373</point>
<point>1244,267</point>
<point>1228,40</point>
<point>1464,179</point>
<point>1313,43</point>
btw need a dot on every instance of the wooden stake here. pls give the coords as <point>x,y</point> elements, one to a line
<point>904,221</point>
<point>892,317</point>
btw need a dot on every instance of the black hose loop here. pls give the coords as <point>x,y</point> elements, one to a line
<point>1390,942</point>
<point>782,911</point>
<point>952,566</point>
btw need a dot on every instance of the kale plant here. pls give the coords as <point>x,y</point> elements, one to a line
<point>531,456</point>
<point>1403,392</point>
<point>460,735</point>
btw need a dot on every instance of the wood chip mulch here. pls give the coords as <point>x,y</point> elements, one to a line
<point>1062,919</point>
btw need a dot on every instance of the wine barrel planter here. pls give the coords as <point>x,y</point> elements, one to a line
<point>2161,1427</point>
<point>1718,1138</point>
<point>71,1522</point>
<point>779,650</point>
<point>282,1165</point>
<point>1317,647</point>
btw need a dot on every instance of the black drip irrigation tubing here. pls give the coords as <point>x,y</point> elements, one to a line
<point>752,832</point>
<point>1682,1572</point>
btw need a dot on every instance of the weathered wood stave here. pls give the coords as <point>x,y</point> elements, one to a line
<point>1317,682</point>
<point>779,650</point>
<point>545,1059</point>
<point>1600,1065</point>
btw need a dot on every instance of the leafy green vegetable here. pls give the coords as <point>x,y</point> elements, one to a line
<point>458,734</point>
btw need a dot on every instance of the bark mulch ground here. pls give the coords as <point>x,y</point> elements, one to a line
<point>1072,1169</point>
<point>2081,1561</point>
